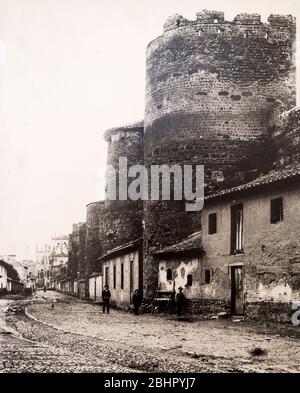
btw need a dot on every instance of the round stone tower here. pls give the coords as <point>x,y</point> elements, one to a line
<point>123,143</point>
<point>121,220</point>
<point>210,86</point>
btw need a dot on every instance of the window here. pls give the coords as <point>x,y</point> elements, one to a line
<point>212,223</point>
<point>122,275</point>
<point>115,276</point>
<point>169,274</point>
<point>237,228</point>
<point>189,281</point>
<point>276,210</point>
<point>207,276</point>
<point>107,276</point>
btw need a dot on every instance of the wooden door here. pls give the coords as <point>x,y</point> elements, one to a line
<point>237,293</point>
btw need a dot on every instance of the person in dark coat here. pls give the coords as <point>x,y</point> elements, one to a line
<point>106,298</point>
<point>171,303</point>
<point>136,301</point>
<point>180,302</point>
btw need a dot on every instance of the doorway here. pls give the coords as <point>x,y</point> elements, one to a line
<point>237,290</point>
<point>131,282</point>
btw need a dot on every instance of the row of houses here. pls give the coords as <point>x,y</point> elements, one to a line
<point>244,260</point>
<point>16,276</point>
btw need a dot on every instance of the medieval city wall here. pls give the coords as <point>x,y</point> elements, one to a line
<point>210,88</point>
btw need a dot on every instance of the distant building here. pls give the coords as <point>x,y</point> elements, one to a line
<point>58,258</point>
<point>3,277</point>
<point>43,265</point>
<point>59,250</point>
<point>21,267</point>
<point>51,260</point>
<point>9,279</point>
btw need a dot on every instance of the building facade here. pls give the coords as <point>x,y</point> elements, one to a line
<point>220,94</point>
<point>3,278</point>
<point>251,243</point>
<point>9,278</point>
<point>122,272</point>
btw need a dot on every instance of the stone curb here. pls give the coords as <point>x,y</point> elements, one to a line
<point>15,334</point>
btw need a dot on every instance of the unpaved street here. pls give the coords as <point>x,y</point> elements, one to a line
<point>75,336</point>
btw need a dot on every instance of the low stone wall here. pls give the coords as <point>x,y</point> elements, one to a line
<point>269,311</point>
<point>205,307</point>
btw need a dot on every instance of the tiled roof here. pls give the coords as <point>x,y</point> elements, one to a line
<point>272,177</point>
<point>190,243</point>
<point>120,249</point>
<point>127,127</point>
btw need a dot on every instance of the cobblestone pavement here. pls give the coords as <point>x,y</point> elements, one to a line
<point>76,336</point>
<point>18,354</point>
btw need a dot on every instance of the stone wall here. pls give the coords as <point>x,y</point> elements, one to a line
<point>285,135</point>
<point>210,89</point>
<point>121,220</point>
<point>82,253</point>
<point>93,245</point>
<point>120,223</point>
<point>73,254</point>
<point>206,307</point>
<point>269,311</point>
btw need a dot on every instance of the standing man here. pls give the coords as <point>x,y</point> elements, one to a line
<point>106,298</point>
<point>180,301</point>
<point>136,301</point>
<point>171,303</point>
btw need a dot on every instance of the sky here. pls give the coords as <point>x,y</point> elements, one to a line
<point>69,70</point>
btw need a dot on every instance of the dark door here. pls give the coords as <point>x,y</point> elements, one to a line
<point>237,295</point>
<point>131,280</point>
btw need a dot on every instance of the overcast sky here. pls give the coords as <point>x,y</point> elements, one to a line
<point>70,69</point>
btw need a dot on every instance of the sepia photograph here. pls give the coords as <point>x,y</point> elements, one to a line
<point>149,189</point>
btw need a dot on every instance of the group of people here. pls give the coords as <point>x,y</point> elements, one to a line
<point>136,300</point>
<point>175,300</point>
